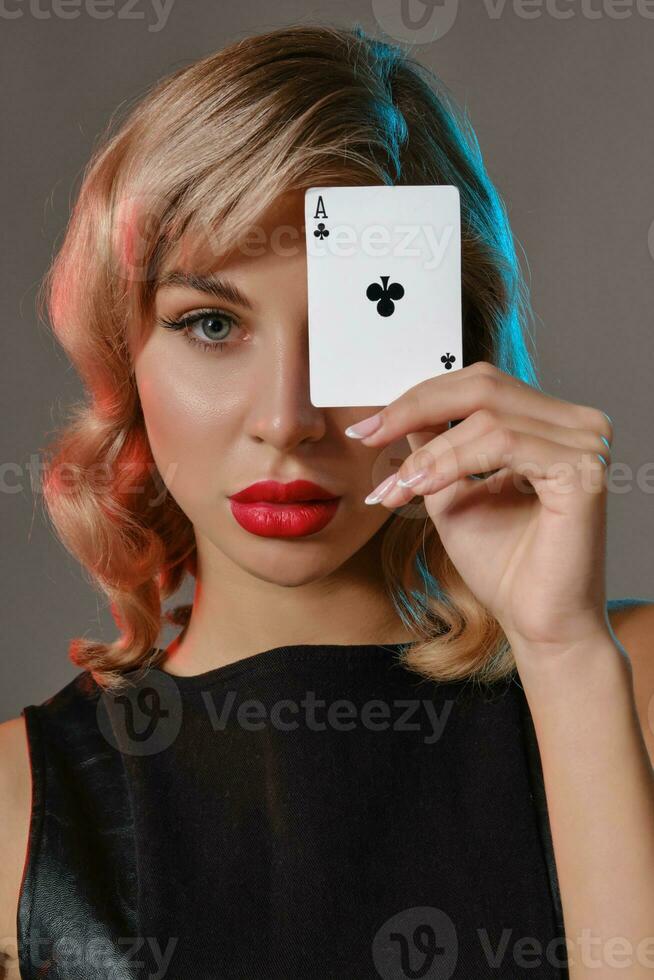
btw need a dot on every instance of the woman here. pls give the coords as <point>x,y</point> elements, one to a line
<point>407,740</point>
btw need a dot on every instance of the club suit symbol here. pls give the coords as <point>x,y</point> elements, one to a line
<point>448,360</point>
<point>384,295</point>
<point>321,232</point>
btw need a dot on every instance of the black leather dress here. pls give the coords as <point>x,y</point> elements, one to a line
<point>306,812</point>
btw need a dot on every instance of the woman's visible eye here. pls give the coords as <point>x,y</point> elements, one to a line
<point>210,322</point>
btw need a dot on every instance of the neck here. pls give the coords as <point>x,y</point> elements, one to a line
<point>235,614</point>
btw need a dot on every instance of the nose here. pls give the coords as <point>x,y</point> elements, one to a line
<point>280,412</point>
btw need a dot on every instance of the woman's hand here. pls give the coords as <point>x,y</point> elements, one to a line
<point>529,540</point>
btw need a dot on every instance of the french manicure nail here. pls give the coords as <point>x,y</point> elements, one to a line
<point>364,428</point>
<point>376,495</point>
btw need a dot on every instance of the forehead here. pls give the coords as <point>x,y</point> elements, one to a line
<point>286,209</point>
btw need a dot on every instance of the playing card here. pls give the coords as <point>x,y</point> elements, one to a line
<point>384,290</point>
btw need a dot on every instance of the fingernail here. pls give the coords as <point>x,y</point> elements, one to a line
<point>364,428</point>
<point>376,495</point>
<point>413,479</point>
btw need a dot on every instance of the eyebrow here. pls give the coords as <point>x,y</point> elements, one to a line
<point>212,284</point>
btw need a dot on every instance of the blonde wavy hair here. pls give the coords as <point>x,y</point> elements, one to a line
<point>198,155</point>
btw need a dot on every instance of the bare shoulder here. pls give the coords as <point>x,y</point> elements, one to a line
<point>632,621</point>
<point>15,812</point>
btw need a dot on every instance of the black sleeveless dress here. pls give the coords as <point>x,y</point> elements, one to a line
<point>311,811</point>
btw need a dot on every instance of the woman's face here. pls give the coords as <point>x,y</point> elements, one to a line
<point>221,419</point>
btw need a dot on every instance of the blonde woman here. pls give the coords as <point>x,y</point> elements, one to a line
<point>406,737</point>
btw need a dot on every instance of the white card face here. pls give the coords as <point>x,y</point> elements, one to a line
<point>384,290</point>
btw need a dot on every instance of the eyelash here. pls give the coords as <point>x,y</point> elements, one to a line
<point>185,323</point>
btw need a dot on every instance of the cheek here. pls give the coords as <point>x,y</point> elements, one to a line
<point>189,427</point>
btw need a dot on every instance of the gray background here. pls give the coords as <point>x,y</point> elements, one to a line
<point>562,106</point>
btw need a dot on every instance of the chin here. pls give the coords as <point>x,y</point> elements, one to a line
<point>285,561</point>
<point>301,571</point>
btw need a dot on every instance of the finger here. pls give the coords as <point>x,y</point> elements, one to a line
<point>540,460</point>
<point>431,403</point>
<point>485,421</point>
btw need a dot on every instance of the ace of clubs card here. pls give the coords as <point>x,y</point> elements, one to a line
<point>384,290</point>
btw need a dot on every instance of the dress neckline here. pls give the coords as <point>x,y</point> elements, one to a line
<point>275,658</point>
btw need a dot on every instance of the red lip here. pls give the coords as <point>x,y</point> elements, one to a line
<point>284,510</point>
<point>282,493</point>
